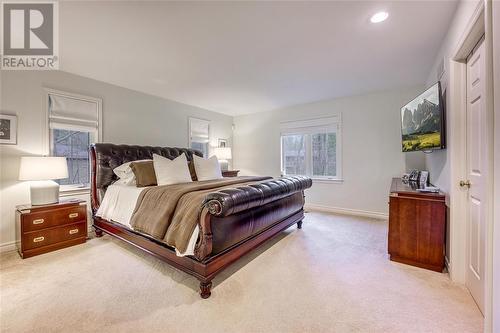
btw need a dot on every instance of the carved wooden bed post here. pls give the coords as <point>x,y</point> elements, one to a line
<point>204,248</point>
<point>94,199</point>
<point>205,289</point>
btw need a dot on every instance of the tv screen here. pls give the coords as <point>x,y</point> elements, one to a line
<point>422,121</point>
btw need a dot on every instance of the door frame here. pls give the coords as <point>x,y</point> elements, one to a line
<point>495,22</point>
<point>479,24</point>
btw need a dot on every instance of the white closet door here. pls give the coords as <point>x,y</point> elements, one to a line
<point>476,173</point>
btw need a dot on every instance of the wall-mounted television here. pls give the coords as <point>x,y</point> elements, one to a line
<point>423,121</point>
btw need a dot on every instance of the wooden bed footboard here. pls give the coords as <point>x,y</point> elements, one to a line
<point>204,270</point>
<point>203,247</point>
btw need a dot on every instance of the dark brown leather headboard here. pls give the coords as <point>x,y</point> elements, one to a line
<point>104,157</point>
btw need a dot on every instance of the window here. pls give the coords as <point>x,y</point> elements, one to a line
<point>312,148</point>
<point>74,124</point>
<point>199,135</point>
<point>324,151</point>
<point>74,146</point>
<point>294,154</point>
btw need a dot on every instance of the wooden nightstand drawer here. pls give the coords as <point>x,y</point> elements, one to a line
<point>42,220</point>
<point>47,228</point>
<point>230,173</point>
<point>35,239</point>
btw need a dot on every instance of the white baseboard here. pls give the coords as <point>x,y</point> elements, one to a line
<point>347,211</point>
<point>11,246</point>
<point>8,247</point>
<point>447,263</point>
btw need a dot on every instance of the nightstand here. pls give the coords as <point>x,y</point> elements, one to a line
<point>230,173</point>
<point>46,228</point>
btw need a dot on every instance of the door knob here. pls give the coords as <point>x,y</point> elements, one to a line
<point>465,183</point>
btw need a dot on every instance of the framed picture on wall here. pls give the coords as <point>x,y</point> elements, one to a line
<point>222,143</point>
<point>8,129</point>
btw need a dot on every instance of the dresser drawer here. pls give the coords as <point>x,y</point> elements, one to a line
<point>41,220</point>
<point>35,239</point>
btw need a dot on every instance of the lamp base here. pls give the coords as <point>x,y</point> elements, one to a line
<point>224,165</point>
<point>44,192</point>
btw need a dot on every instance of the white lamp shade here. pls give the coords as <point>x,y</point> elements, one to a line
<point>223,153</point>
<point>43,168</point>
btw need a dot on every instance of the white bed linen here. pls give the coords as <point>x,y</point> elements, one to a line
<point>119,203</point>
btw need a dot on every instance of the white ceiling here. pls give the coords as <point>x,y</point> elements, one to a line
<point>245,57</point>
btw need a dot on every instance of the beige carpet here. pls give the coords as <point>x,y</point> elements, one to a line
<point>331,276</point>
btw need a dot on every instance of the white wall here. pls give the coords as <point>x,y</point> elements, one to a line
<point>438,162</point>
<point>371,147</point>
<point>129,117</point>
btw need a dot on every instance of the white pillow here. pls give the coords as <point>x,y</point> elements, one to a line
<point>126,181</point>
<point>207,169</point>
<point>169,172</point>
<point>125,173</point>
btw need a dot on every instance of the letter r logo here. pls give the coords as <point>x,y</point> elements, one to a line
<point>28,28</point>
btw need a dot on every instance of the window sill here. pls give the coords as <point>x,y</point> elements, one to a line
<point>322,179</point>
<point>73,191</point>
<point>327,181</point>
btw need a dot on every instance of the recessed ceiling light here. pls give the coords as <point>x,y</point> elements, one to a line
<point>379,17</point>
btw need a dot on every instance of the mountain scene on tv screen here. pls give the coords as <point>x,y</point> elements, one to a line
<point>421,122</point>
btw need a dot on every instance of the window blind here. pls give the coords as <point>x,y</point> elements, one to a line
<point>73,113</point>
<point>199,130</point>
<point>310,126</point>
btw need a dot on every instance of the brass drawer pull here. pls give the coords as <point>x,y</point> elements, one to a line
<point>73,215</point>
<point>38,221</point>
<point>38,239</point>
<point>73,231</point>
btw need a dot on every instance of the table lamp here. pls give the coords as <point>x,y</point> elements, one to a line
<point>41,171</point>
<point>223,155</point>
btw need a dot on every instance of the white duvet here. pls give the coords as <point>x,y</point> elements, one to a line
<point>119,203</point>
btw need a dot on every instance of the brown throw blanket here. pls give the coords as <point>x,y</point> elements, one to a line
<point>170,213</point>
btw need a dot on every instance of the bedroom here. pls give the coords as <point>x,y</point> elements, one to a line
<point>258,85</point>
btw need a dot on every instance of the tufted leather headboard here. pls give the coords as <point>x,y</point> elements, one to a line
<point>104,157</point>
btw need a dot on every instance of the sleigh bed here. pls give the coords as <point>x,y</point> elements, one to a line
<point>232,219</point>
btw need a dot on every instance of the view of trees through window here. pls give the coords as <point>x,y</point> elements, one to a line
<point>74,146</point>
<point>324,150</point>
<point>294,154</point>
<point>201,146</point>
<point>319,151</point>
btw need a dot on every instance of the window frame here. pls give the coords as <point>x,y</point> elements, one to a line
<point>309,127</point>
<point>66,190</point>
<point>208,122</point>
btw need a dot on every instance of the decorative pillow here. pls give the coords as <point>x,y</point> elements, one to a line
<point>207,169</point>
<point>144,172</point>
<point>123,171</point>
<point>125,174</point>
<point>169,172</point>
<point>126,181</point>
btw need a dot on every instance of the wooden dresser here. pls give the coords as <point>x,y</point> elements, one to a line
<point>46,228</point>
<point>417,226</point>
